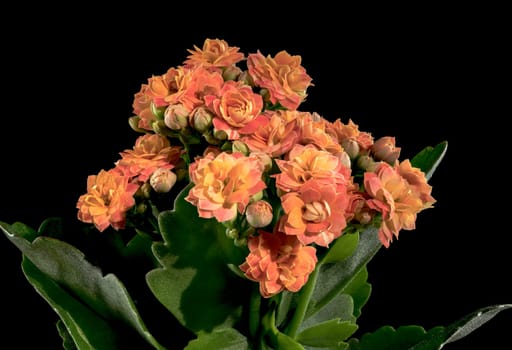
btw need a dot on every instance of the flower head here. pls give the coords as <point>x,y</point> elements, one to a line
<point>315,213</point>
<point>395,198</point>
<point>215,53</point>
<point>278,262</point>
<point>109,195</point>
<point>237,109</point>
<point>283,76</point>
<point>224,184</point>
<point>151,152</point>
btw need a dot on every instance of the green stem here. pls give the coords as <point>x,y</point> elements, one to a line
<point>302,305</point>
<point>254,311</point>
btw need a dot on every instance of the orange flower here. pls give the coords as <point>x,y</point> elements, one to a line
<point>308,162</point>
<point>215,53</point>
<point>276,136</point>
<point>196,83</point>
<point>417,181</point>
<point>316,213</point>
<point>393,196</point>
<point>283,76</point>
<point>142,108</point>
<point>224,184</point>
<point>109,195</point>
<point>151,151</point>
<point>313,130</point>
<point>237,109</point>
<point>278,262</point>
<point>350,132</point>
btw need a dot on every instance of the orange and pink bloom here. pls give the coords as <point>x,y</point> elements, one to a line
<point>278,262</point>
<point>282,75</point>
<point>224,184</point>
<point>395,198</point>
<point>151,151</point>
<point>109,196</point>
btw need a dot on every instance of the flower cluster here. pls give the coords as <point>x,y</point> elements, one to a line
<point>285,183</point>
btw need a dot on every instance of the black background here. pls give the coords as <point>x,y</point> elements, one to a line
<point>422,75</point>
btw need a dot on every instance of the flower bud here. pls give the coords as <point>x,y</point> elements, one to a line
<point>384,149</point>
<point>158,112</point>
<point>264,158</point>
<point>351,147</point>
<point>366,162</point>
<point>220,135</point>
<point>134,123</point>
<point>159,127</point>
<point>344,159</point>
<point>176,117</point>
<point>144,191</point>
<point>246,78</point>
<point>239,146</point>
<point>232,233</point>
<point>202,119</point>
<point>162,180</point>
<point>259,213</point>
<point>231,73</point>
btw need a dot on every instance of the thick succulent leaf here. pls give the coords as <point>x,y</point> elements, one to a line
<point>341,307</point>
<point>85,328</point>
<point>68,267</point>
<point>359,290</point>
<point>67,341</point>
<point>416,338</point>
<point>342,248</point>
<point>334,278</point>
<point>389,338</point>
<point>221,339</point>
<point>195,282</point>
<point>429,158</point>
<point>327,334</point>
<point>460,328</point>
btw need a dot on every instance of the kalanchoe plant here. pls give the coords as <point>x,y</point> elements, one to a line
<point>237,221</point>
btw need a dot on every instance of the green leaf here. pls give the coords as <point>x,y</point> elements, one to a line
<point>67,341</point>
<point>195,282</point>
<point>389,338</point>
<point>67,266</point>
<point>460,328</point>
<point>327,334</point>
<point>341,307</point>
<point>333,279</point>
<point>429,158</point>
<point>341,249</point>
<point>284,342</point>
<point>87,329</point>
<point>416,338</point>
<point>221,339</point>
<point>359,290</point>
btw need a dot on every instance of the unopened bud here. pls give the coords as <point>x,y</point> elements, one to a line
<point>351,147</point>
<point>158,112</point>
<point>264,158</point>
<point>202,119</point>
<point>366,162</point>
<point>344,159</point>
<point>134,123</point>
<point>176,117</point>
<point>231,73</point>
<point>239,146</point>
<point>162,180</point>
<point>232,233</point>
<point>220,135</point>
<point>259,213</point>
<point>384,149</point>
<point>246,78</point>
